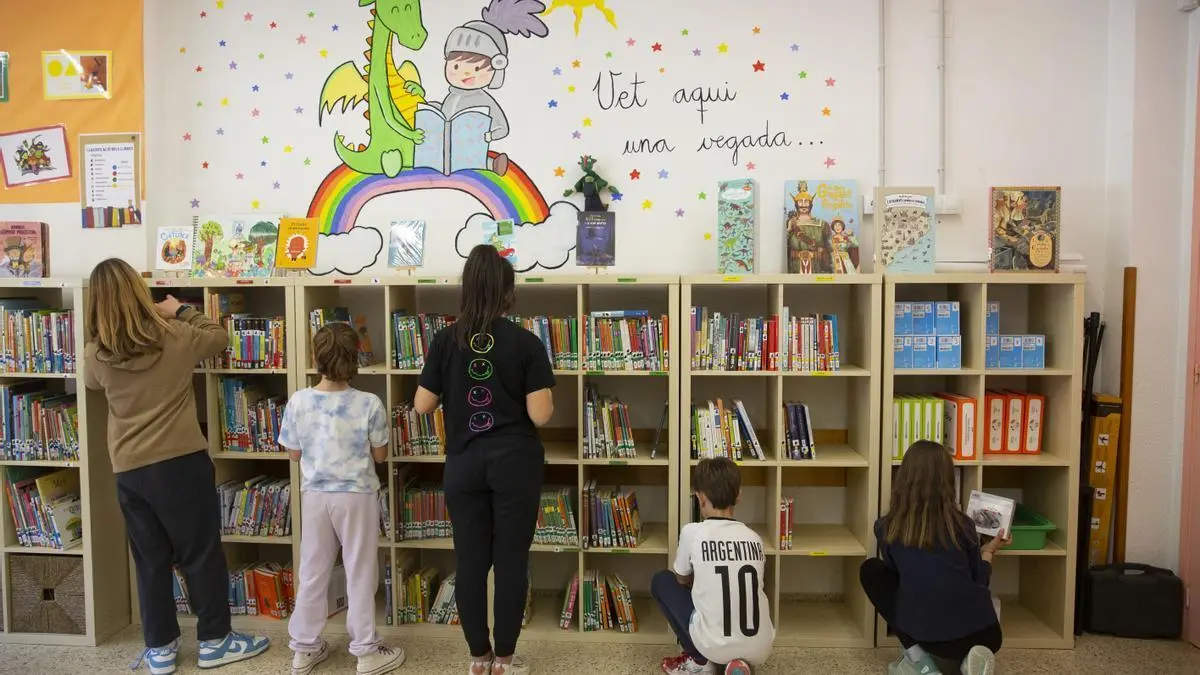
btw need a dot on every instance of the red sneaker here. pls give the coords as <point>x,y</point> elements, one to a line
<point>737,667</point>
<point>670,663</point>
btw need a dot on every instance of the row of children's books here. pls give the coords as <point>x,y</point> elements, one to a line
<point>255,342</point>
<point>791,343</point>
<point>606,432</point>
<point>250,419</point>
<point>422,599</point>
<point>610,517</point>
<point>559,336</point>
<point>417,435</point>
<point>421,509</point>
<point>556,524</point>
<point>798,434</point>
<point>45,507</point>
<point>317,319</point>
<point>626,340</point>
<point>412,335</point>
<point>265,589</point>
<point>723,430</point>
<point>604,600</point>
<point>34,339</point>
<point>259,507</point>
<point>38,423</point>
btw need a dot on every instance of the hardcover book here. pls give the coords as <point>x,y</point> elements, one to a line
<point>235,246</point>
<point>1024,232</point>
<point>906,226</point>
<point>991,514</point>
<point>735,226</point>
<point>596,239</point>
<point>296,248</point>
<point>174,249</point>
<point>406,244</point>
<point>25,248</point>
<point>822,219</point>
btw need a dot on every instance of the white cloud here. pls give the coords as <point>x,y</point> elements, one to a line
<point>547,244</point>
<point>348,253</point>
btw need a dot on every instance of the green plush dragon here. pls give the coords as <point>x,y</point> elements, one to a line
<point>391,93</point>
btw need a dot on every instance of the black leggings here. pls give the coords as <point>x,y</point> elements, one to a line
<point>493,492</point>
<point>881,583</point>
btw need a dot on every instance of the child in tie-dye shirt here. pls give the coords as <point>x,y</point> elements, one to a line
<point>337,433</point>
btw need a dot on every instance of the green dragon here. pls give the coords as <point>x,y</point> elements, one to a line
<point>391,93</point>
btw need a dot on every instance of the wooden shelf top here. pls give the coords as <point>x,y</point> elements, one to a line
<point>824,540</point>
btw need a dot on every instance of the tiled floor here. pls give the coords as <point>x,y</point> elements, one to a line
<point>441,656</point>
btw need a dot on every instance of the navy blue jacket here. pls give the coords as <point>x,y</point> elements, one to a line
<point>943,593</point>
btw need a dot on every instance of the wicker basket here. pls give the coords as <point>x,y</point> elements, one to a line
<point>47,594</point>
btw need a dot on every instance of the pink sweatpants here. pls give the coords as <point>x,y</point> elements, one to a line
<point>352,519</point>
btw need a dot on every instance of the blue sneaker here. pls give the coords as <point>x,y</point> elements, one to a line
<point>160,659</point>
<point>235,647</point>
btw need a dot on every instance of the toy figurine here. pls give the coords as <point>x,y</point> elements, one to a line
<point>591,185</point>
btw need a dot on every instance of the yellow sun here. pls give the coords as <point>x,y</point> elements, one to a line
<point>579,5</point>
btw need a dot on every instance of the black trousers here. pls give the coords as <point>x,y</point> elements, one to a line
<point>173,516</point>
<point>881,584</point>
<point>493,492</point>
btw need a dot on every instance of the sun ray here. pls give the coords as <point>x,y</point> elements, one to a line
<point>578,7</point>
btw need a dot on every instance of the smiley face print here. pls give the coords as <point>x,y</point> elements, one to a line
<point>480,421</point>
<point>479,369</point>
<point>479,397</point>
<point>482,343</point>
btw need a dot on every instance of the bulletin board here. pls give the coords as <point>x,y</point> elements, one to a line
<point>77,26</point>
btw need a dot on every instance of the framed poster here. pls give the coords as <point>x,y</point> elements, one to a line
<point>38,155</point>
<point>110,179</point>
<point>76,75</point>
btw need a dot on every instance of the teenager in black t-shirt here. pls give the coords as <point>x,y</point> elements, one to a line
<point>493,380</point>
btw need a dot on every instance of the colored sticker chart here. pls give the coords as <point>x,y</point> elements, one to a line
<point>76,75</point>
<point>110,179</point>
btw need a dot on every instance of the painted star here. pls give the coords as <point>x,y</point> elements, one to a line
<point>302,39</point>
<point>261,56</point>
<point>784,96</point>
<point>324,53</point>
<point>756,30</point>
<point>199,69</point>
<point>631,42</point>
<point>678,213</point>
<point>287,149</point>
<point>759,66</point>
<point>221,43</point>
<point>552,104</point>
<point>723,48</point>
<point>708,236</point>
<point>225,101</point>
<point>239,175</point>
<point>254,88</point>
<point>248,16</point>
<point>273,25</point>
<point>187,137</point>
<point>618,196</point>
<point>288,76</point>
<point>635,174</point>
<point>661,71</point>
<point>647,205</point>
<point>608,55</point>
<point>183,50</point>
<point>263,164</point>
<point>307,161</point>
<point>199,104</point>
<point>656,47</point>
<point>299,110</point>
<point>220,131</point>
<point>829,161</point>
<point>684,32</point>
<point>587,121</point>
<point>195,203</point>
<point>254,204</point>
<point>795,47</point>
<point>576,135</point>
<point>557,71</point>
<point>266,140</point>
<point>334,27</point>
<point>559,172</point>
<point>576,63</point>
<point>233,65</point>
<point>255,112</point>
<point>203,14</point>
<point>204,165</point>
<point>702,196</point>
<point>750,166</point>
<point>803,74</point>
<point>663,174</point>
<point>275,185</point>
<point>829,82</point>
<point>220,4</point>
<point>311,14</point>
<point>696,52</point>
<point>825,112</point>
<point>570,89</point>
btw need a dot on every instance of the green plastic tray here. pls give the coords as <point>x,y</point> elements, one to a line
<point>1029,530</point>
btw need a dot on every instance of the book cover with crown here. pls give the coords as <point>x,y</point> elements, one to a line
<point>822,219</point>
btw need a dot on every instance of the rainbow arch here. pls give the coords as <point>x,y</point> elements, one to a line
<point>345,191</point>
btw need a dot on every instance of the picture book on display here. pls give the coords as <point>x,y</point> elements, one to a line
<point>991,514</point>
<point>736,225</point>
<point>26,249</point>
<point>1025,226</point>
<point>235,246</point>
<point>822,219</point>
<point>499,233</point>
<point>174,249</point>
<point>906,227</point>
<point>406,244</point>
<point>596,239</point>
<point>296,247</point>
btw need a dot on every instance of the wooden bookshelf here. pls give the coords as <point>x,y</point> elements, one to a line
<point>813,586</point>
<point>102,554</point>
<point>1036,588</point>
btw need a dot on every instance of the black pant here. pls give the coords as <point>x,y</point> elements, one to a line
<point>173,515</point>
<point>493,492</point>
<point>881,583</point>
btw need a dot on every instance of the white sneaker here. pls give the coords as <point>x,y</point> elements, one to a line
<point>689,667</point>
<point>515,667</point>
<point>980,661</point>
<point>480,666</point>
<point>382,660</point>
<point>304,662</point>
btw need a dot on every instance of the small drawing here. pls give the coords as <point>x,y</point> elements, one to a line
<point>988,519</point>
<point>577,6</point>
<point>1102,439</point>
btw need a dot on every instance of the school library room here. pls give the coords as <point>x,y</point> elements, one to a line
<point>570,336</point>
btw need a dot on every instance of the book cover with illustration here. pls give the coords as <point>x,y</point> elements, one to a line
<point>1025,225</point>
<point>499,233</point>
<point>736,226</point>
<point>991,514</point>
<point>452,144</point>
<point>25,249</point>
<point>406,244</point>
<point>174,249</point>
<point>234,247</point>
<point>296,247</point>
<point>596,239</point>
<point>906,229</point>
<point>822,219</point>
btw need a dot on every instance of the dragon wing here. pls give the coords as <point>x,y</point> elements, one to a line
<point>345,84</point>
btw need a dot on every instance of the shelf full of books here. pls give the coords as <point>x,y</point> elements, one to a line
<point>998,383</point>
<point>55,475</point>
<point>781,374</point>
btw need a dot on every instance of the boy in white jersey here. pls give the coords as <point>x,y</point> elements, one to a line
<point>713,596</point>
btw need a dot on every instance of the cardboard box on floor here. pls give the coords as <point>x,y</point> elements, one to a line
<point>1106,429</point>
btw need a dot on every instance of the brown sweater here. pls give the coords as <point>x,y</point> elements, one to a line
<point>151,408</point>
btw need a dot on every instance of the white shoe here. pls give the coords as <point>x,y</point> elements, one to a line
<point>515,667</point>
<point>480,666</point>
<point>304,662</point>
<point>382,660</point>
<point>980,661</point>
<point>689,667</point>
